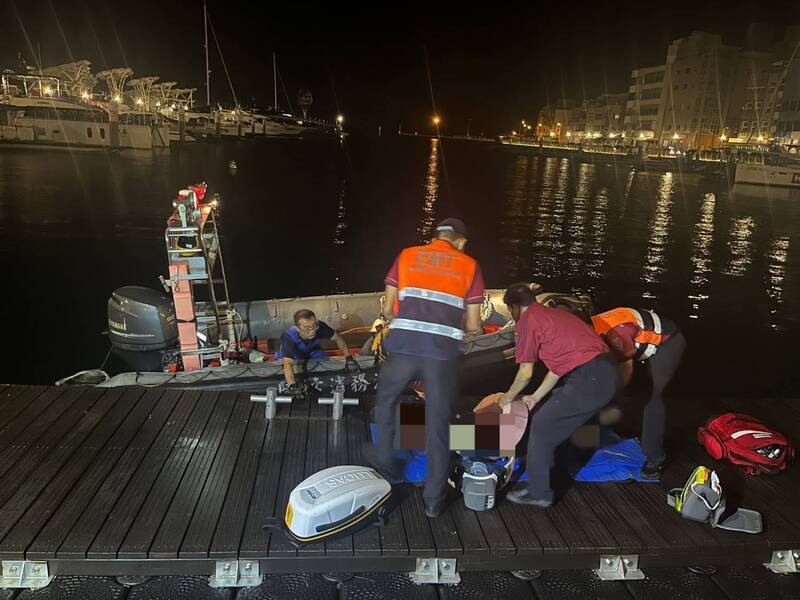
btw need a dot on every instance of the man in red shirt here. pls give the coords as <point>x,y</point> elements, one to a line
<point>582,378</point>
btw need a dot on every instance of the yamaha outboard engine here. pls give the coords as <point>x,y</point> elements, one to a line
<point>142,327</point>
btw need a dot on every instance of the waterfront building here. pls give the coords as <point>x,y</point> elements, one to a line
<point>765,104</point>
<point>599,117</point>
<point>699,77</point>
<point>605,115</point>
<point>787,109</point>
<point>553,121</point>
<point>644,103</point>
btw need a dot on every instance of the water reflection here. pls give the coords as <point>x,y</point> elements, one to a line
<point>702,240</point>
<point>549,246</point>
<point>597,248</point>
<point>628,186</point>
<point>777,258</point>
<point>576,226</point>
<point>519,216</point>
<point>425,229</point>
<point>660,223</point>
<point>340,230</point>
<point>341,214</point>
<point>740,245</point>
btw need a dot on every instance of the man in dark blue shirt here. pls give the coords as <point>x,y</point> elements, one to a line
<point>304,341</point>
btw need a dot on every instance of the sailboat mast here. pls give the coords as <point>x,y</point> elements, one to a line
<point>274,82</point>
<point>208,71</point>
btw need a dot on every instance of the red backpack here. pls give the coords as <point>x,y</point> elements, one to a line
<point>746,442</point>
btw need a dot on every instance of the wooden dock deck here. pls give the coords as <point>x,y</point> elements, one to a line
<point>166,482</point>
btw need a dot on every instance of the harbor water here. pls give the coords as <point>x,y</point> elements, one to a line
<point>316,217</point>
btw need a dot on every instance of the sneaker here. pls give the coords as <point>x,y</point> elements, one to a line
<point>652,469</point>
<point>393,471</point>
<point>523,497</point>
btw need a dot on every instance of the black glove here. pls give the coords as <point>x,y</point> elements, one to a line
<point>351,366</point>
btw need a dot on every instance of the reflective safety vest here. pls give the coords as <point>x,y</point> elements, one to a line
<point>307,348</point>
<point>648,337</point>
<point>432,284</point>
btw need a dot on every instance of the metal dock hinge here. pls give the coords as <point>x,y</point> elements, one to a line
<point>436,570</point>
<point>27,574</point>
<point>784,561</point>
<point>236,573</point>
<point>615,567</point>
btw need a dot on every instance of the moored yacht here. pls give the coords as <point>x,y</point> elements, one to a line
<point>768,168</point>
<point>33,111</point>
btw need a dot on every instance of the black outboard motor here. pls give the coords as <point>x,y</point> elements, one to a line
<point>142,327</point>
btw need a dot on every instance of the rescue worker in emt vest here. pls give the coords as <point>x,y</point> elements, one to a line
<point>582,378</point>
<point>304,341</point>
<point>638,336</point>
<point>439,289</point>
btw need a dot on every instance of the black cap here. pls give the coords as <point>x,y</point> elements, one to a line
<point>452,224</point>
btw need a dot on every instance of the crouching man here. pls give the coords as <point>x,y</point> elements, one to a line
<point>582,378</point>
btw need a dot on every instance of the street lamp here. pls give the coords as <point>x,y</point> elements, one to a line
<point>117,98</point>
<point>436,120</point>
<point>139,101</point>
<point>339,120</point>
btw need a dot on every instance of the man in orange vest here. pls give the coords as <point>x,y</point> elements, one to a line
<point>641,335</point>
<point>432,291</point>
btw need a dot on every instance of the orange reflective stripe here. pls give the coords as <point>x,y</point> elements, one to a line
<point>604,322</point>
<point>438,267</point>
<point>648,337</point>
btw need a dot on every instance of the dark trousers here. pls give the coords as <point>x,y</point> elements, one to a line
<point>660,367</point>
<point>578,397</point>
<point>440,378</point>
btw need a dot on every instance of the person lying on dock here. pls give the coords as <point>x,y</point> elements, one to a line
<point>303,341</point>
<point>636,335</point>
<point>582,378</point>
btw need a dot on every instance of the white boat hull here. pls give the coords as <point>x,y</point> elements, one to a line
<point>784,176</point>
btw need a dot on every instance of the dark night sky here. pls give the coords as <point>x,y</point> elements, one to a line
<point>494,63</point>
